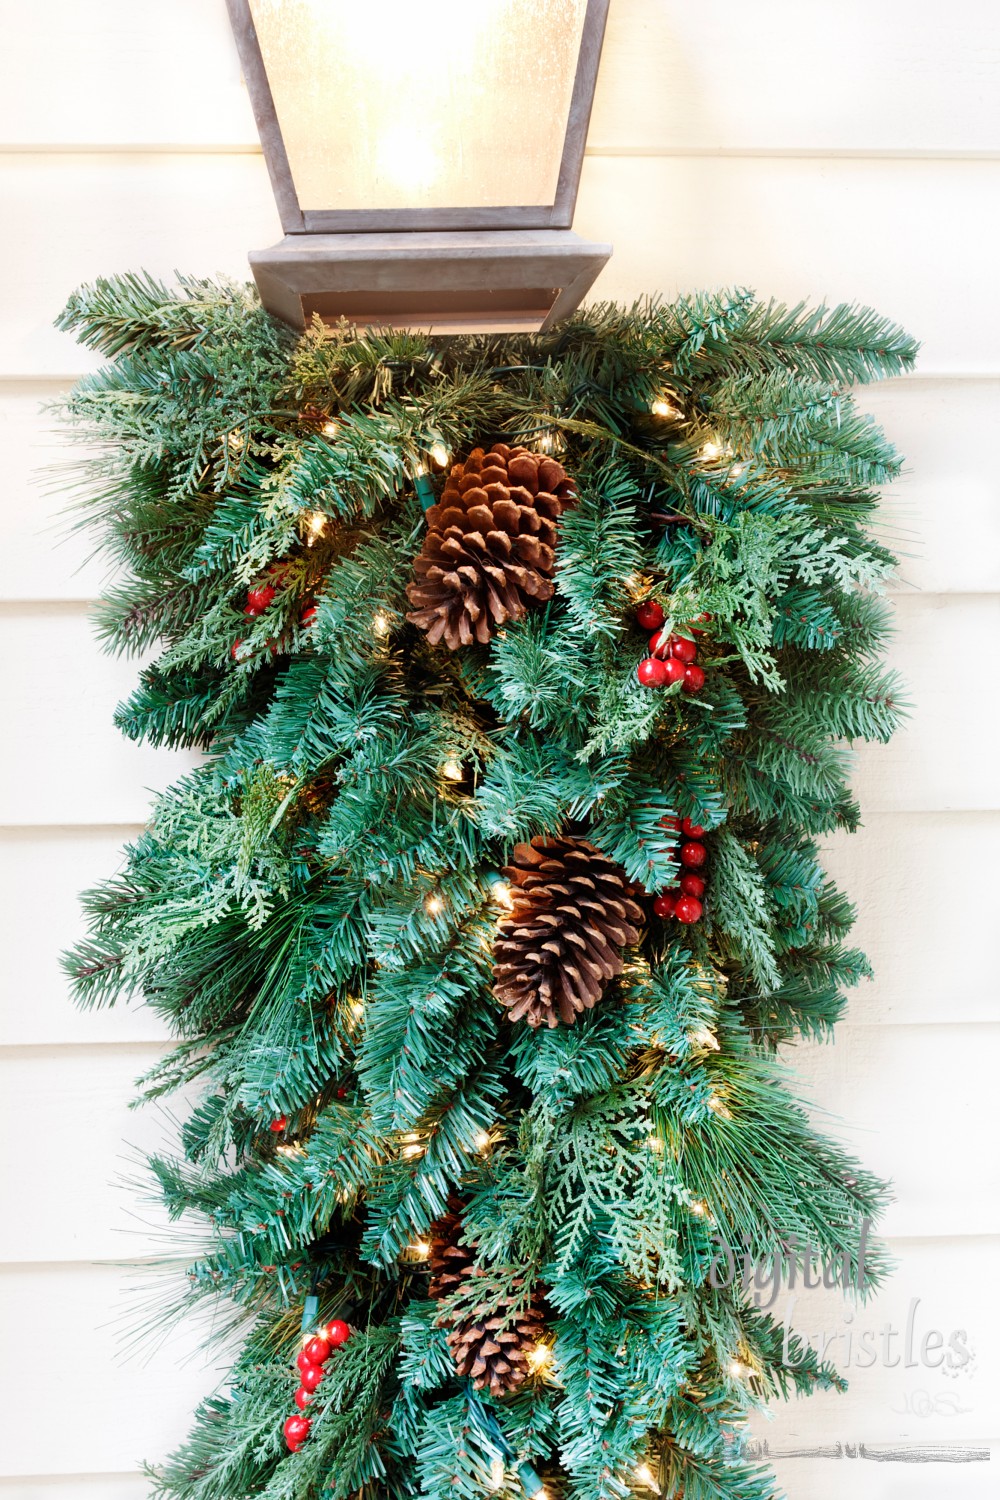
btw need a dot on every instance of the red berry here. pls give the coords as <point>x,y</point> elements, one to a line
<point>234,650</point>
<point>337,1333</point>
<point>671,823</point>
<point>303,1361</point>
<point>277,1125</point>
<point>665,904</point>
<point>691,830</point>
<point>296,1430</point>
<point>701,620</point>
<point>674,669</point>
<point>659,644</point>
<point>308,615</point>
<point>693,885</point>
<point>693,856</point>
<point>689,909</point>
<point>311,1376</point>
<point>650,615</point>
<point>317,1350</point>
<point>694,678</point>
<point>302,1398</point>
<point>259,599</point>
<point>682,648</point>
<point>651,673</point>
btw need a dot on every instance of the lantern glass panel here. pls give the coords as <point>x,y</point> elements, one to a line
<point>390,104</point>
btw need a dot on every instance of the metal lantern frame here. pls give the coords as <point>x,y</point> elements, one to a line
<point>509,267</point>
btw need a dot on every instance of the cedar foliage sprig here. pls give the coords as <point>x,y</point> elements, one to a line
<point>312,908</point>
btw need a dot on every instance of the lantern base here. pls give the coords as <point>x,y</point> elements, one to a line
<point>474,281</point>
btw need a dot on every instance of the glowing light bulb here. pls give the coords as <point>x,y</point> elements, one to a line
<point>380,623</point>
<point>704,1038</point>
<point>547,442</point>
<point>710,450</point>
<point>699,1209</point>
<point>331,428</point>
<point>420,1249</point>
<point>645,1476</point>
<point>496,1474</point>
<point>440,455</point>
<point>661,407</point>
<point>434,906</point>
<point>717,1107</point>
<point>482,1140</point>
<point>452,770</point>
<point>501,893</point>
<point>315,526</point>
<point>655,1145</point>
<point>539,1357</point>
<point>738,1369</point>
<point>737,470</point>
<point>236,442</point>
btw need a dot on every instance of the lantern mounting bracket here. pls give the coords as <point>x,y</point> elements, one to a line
<point>501,281</point>
<point>509,267</point>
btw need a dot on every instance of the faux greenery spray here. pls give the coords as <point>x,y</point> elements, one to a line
<point>480,940</point>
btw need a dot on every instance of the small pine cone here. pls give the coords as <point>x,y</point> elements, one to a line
<point>573,913</point>
<point>490,545</point>
<point>492,1348</point>
<point>450,1260</point>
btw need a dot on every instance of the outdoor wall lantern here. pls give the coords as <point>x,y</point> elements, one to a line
<point>425,157</point>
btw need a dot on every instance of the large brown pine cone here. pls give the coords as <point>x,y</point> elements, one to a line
<point>449,1260</point>
<point>573,914</point>
<point>493,1349</point>
<point>490,544</point>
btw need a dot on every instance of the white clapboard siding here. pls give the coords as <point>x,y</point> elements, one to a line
<point>954,1290</point>
<point>940,427</point>
<point>42,872</point>
<point>94,1144</point>
<point>123,1409</point>
<point>912,878</point>
<point>62,692</point>
<point>852,155</point>
<point>937,1081</point>
<point>776,76</point>
<point>902,871</point>
<point>63,760</point>
<point>791,228</point>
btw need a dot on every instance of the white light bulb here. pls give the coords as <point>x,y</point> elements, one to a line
<point>331,428</point>
<point>380,623</point>
<point>645,1476</point>
<point>539,1357</point>
<point>710,450</point>
<point>661,407</point>
<point>496,1474</point>
<point>482,1140</point>
<point>315,525</point>
<point>501,893</point>
<point>452,770</point>
<point>434,906</point>
<point>704,1038</point>
<point>439,453</point>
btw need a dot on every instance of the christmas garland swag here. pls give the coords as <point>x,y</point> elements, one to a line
<point>524,670</point>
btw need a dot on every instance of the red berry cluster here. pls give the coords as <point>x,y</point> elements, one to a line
<point>259,600</point>
<point>672,658</point>
<point>310,1362</point>
<point>683,900</point>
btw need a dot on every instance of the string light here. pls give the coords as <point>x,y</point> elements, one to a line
<point>434,905</point>
<point>539,1357</point>
<point>738,1369</point>
<point>236,442</point>
<point>717,1107</point>
<point>655,1145</point>
<point>645,1476</point>
<point>290,1150</point>
<point>704,1038</point>
<point>330,429</point>
<point>496,1474</point>
<point>419,1250</point>
<point>440,455</point>
<point>483,1140</point>
<point>380,623</point>
<point>699,1209</point>
<point>502,894</point>
<point>452,770</point>
<point>661,407</point>
<point>710,450</point>
<point>315,526</point>
<point>412,1145</point>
